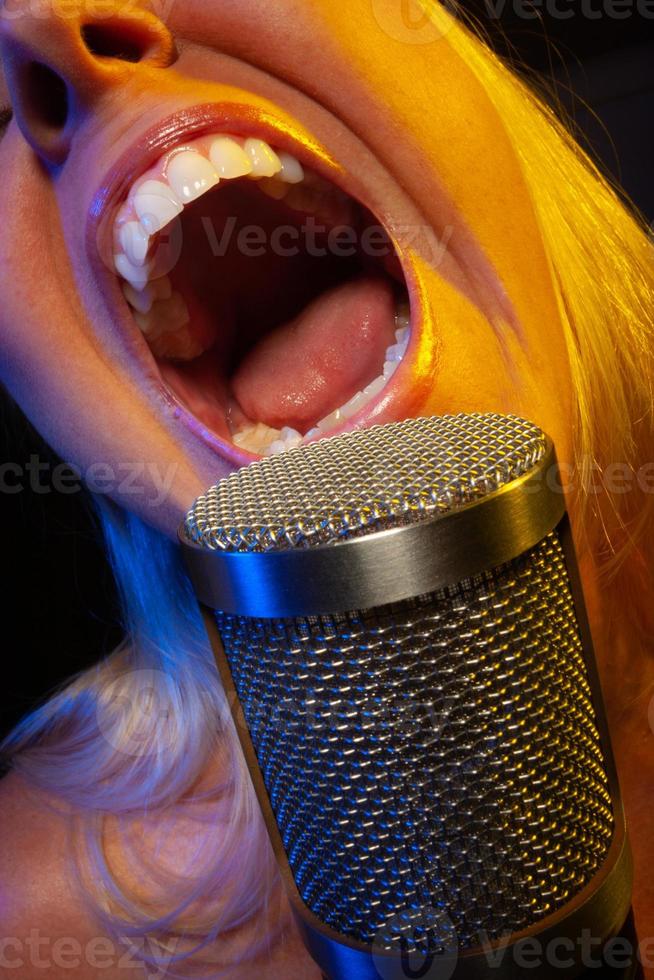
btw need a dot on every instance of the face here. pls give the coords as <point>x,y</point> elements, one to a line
<point>369,186</point>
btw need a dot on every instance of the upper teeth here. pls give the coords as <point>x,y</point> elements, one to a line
<point>191,175</point>
<point>156,205</point>
<point>158,198</point>
<point>291,172</point>
<point>264,160</point>
<point>228,158</point>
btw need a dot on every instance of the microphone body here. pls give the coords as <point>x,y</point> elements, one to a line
<point>398,623</point>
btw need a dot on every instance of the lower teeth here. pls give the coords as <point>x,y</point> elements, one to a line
<point>261,439</point>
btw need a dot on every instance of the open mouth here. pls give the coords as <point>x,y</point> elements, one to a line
<point>274,304</point>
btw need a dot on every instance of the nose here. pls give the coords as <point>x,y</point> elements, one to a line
<point>60,60</point>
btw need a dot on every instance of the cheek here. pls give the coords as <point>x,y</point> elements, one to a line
<point>53,363</point>
<point>482,369</point>
<point>441,122</point>
<point>455,147</point>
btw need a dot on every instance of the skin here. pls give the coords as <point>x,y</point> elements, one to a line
<point>486,340</point>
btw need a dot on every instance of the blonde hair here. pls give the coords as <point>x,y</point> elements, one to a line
<point>601,260</point>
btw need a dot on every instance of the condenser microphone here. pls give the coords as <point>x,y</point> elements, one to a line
<point>398,623</point>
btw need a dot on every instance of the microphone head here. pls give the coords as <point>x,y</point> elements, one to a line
<point>364,481</point>
<point>416,697</point>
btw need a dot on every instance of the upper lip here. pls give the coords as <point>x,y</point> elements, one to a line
<point>237,118</point>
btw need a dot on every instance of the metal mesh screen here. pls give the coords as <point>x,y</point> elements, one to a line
<point>437,759</point>
<point>439,755</point>
<point>364,481</point>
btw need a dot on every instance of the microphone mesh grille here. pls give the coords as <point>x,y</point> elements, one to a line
<point>364,481</point>
<point>435,758</point>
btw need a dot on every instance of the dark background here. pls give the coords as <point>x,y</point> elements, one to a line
<point>60,611</point>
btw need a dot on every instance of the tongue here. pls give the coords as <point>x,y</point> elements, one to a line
<point>304,370</point>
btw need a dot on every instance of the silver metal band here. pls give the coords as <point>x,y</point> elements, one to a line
<point>384,566</point>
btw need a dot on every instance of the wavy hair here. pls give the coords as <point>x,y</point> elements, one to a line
<point>114,766</point>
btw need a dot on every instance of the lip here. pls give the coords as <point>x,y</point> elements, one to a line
<point>188,123</point>
<point>242,119</point>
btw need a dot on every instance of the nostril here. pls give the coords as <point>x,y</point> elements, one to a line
<point>127,40</point>
<point>45,96</point>
<point>58,68</point>
<point>112,41</point>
